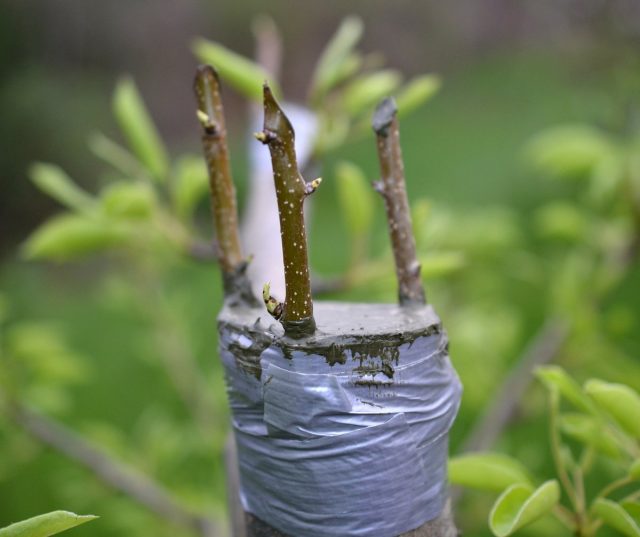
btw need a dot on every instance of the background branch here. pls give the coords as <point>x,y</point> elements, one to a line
<point>268,45</point>
<point>114,473</point>
<point>541,350</point>
<point>393,189</point>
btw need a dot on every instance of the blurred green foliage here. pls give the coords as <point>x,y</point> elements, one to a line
<point>602,430</point>
<point>122,344</point>
<point>344,87</point>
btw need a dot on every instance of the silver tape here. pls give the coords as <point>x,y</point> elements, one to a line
<point>346,433</point>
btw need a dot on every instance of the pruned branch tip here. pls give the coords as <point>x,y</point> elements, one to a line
<point>210,114</point>
<point>291,190</point>
<point>392,187</point>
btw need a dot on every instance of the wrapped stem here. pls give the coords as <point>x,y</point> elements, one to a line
<point>393,189</point>
<point>291,190</point>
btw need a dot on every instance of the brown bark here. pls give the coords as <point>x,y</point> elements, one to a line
<point>223,194</point>
<point>393,189</point>
<point>296,314</point>
<point>214,143</point>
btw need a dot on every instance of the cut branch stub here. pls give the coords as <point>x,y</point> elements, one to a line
<point>393,189</point>
<point>214,143</point>
<point>223,195</point>
<point>291,191</point>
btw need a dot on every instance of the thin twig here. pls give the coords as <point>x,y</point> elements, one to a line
<point>214,143</point>
<point>114,473</point>
<point>393,189</point>
<point>542,349</point>
<point>223,194</point>
<point>291,191</point>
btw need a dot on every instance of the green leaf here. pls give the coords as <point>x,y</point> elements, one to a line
<point>607,177</point>
<point>569,151</point>
<point>417,92</point>
<point>116,156</point>
<point>351,65</point>
<point>41,348</point>
<point>554,377</point>
<point>68,236</point>
<point>332,132</point>
<point>365,91</point>
<point>520,505</point>
<point>244,75</point>
<point>483,233</point>
<point>355,197</point>
<point>191,184</point>
<point>53,181</point>
<point>45,525</point>
<point>338,52</point>
<point>567,460</point>
<point>128,200</point>
<point>588,430</point>
<point>633,509</point>
<point>563,221</point>
<point>440,264</point>
<point>634,470</point>
<point>618,400</point>
<point>487,471</point>
<point>421,210</point>
<point>572,275</point>
<point>138,129</point>
<point>616,516</point>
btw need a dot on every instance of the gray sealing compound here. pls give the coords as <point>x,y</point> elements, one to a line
<point>343,433</point>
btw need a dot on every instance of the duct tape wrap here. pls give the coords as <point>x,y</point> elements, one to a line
<point>345,432</point>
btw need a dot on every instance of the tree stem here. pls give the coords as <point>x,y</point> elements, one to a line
<point>393,189</point>
<point>291,191</point>
<point>223,194</point>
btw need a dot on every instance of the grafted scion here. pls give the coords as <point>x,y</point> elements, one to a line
<point>210,114</point>
<point>296,314</point>
<point>393,189</point>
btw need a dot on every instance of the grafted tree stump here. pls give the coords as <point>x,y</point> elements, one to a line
<point>376,381</point>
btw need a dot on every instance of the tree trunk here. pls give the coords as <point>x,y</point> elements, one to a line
<point>443,526</point>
